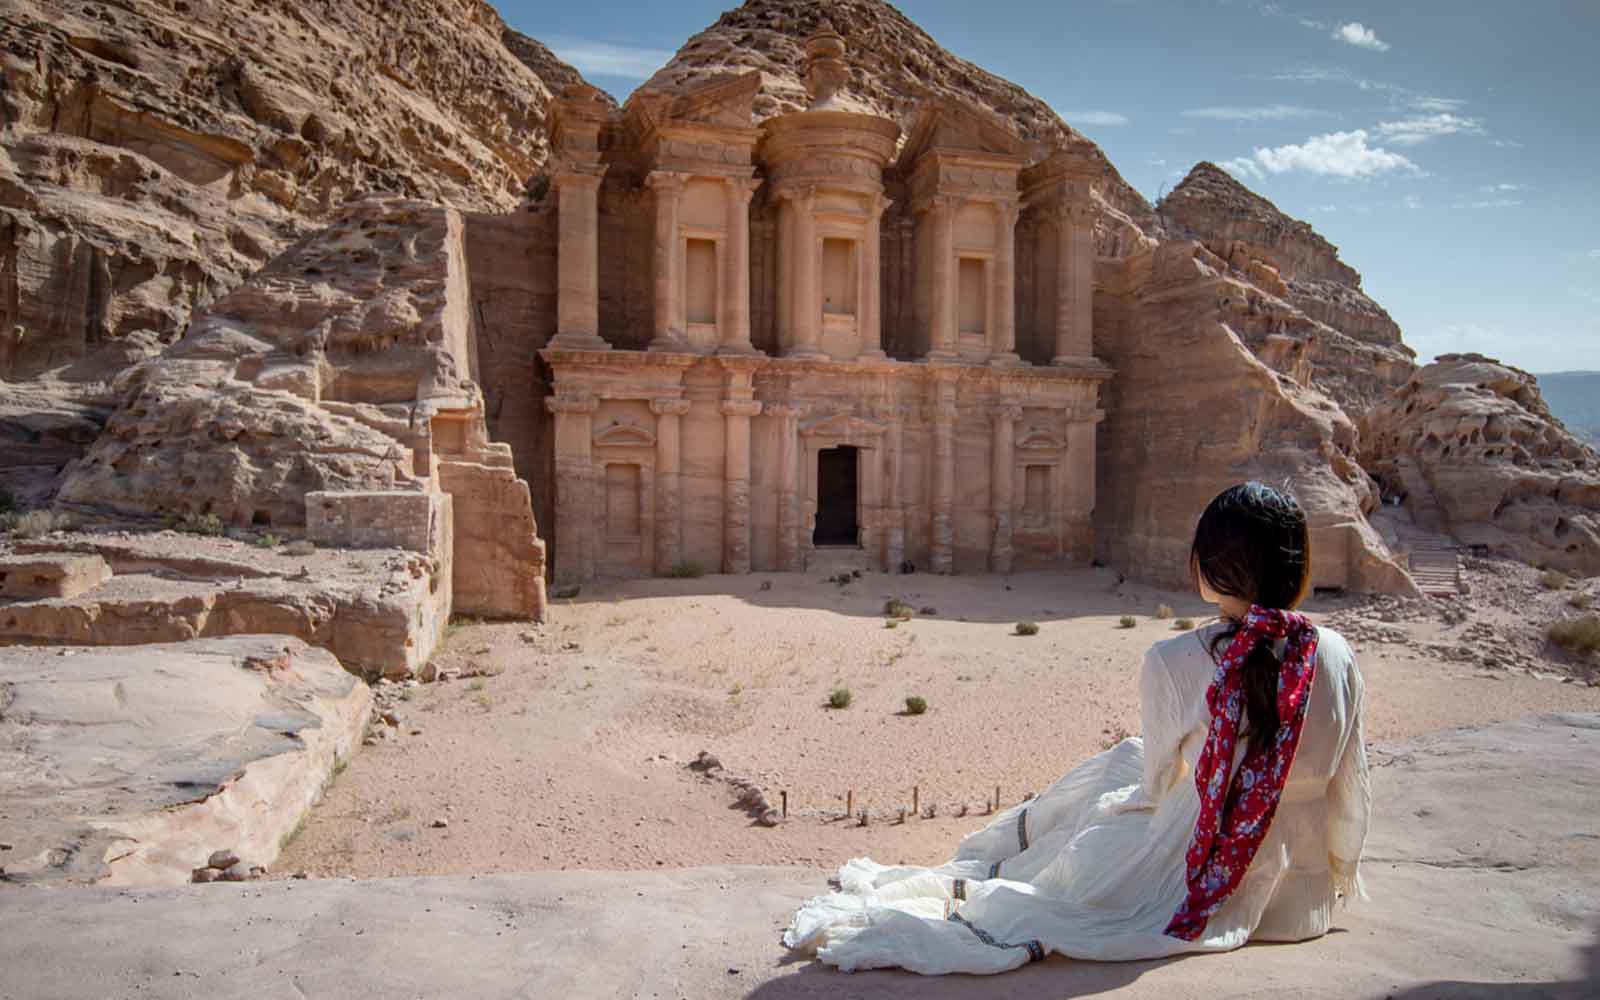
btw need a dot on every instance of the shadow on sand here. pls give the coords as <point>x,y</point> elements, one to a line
<point>1055,978</point>
<point>1585,987</point>
<point>1041,596</point>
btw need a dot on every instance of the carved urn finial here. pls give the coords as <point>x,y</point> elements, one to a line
<point>825,68</point>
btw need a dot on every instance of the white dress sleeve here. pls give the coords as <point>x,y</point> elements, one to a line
<point>1349,803</point>
<point>1161,724</point>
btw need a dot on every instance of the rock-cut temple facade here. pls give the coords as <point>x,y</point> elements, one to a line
<point>819,336</point>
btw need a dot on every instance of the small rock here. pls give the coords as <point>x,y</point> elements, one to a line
<point>565,593</point>
<point>222,859</point>
<point>390,717</point>
<point>5,846</point>
<point>300,875</point>
<point>440,823</point>
<point>256,871</point>
<point>203,875</point>
<point>235,873</point>
<point>302,547</point>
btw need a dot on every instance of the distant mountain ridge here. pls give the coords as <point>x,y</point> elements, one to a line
<point>1574,397</point>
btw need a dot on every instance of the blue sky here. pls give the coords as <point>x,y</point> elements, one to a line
<point>1451,150</point>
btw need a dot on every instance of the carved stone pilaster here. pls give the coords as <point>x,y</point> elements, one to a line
<point>669,489</point>
<point>736,483</point>
<point>575,500</point>
<point>1002,501</point>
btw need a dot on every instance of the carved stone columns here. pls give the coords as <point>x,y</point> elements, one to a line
<point>576,502</point>
<point>870,283</point>
<point>805,262</point>
<point>735,320</point>
<point>1003,289</point>
<point>942,333</point>
<point>942,414</point>
<point>668,187</point>
<point>669,489</point>
<point>578,258</point>
<point>1074,284</point>
<point>1002,502</point>
<point>736,484</point>
<point>790,559</point>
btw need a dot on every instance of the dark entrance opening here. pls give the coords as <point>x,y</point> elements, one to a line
<point>836,497</point>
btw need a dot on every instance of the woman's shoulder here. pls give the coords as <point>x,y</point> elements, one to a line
<point>1186,647</point>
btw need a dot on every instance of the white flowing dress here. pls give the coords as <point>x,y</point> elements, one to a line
<point>1094,867</point>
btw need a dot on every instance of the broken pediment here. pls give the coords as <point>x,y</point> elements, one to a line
<point>846,426</point>
<point>624,436</point>
<point>950,126</point>
<point>726,100</point>
<point>1036,438</point>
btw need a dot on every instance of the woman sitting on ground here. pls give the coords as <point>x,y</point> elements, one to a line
<point>1239,815</point>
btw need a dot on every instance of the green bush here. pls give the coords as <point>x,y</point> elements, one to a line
<point>203,524</point>
<point>1183,624</point>
<point>1555,580</point>
<point>1165,611</point>
<point>891,623</point>
<point>916,705</point>
<point>38,523</point>
<point>1580,635</point>
<point>1027,628</point>
<point>840,698</point>
<point>267,540</point>
<point>1127,621</point>
<point>686,570</point>
<point>894,607</point>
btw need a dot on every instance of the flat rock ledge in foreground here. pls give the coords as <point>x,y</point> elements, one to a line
<point>1482,871</point>
<point>131,765</point>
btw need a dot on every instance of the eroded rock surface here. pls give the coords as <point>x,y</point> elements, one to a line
<point>1166,321</point>
<point>131,766</point>
<point>154,154</point>
<point>1471,448</point>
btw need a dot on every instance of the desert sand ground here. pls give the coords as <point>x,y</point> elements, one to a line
<point>567,745</point>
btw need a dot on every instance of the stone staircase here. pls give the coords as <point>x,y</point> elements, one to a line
<point>1435,559</point>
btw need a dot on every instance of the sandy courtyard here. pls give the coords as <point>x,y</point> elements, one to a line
<point>567,745</point>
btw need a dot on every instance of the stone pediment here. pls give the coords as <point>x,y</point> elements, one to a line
<point>847,426</point>
<point>625,436</point>
<point>949,126</point>
<point>726,101</point>
<point>1040,439</point>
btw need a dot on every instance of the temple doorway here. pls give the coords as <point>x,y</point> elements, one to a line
<point>837,481</point>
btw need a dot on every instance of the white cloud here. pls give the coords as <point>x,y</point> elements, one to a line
<point>1496,203</point>
<point>1421,128</point>
<point>1094,118</point>
<point>1594,254</point>
<point>593,58</point>
<point>1336,154</point>
<point>1328,208</point>
<point>1413,201</point>
<point>1504,188</point>
<point>1427,103</point>
<point>1306,22</point>
<point>1260,113</point>
<point>1362,37</point>
<point>1505,143</point>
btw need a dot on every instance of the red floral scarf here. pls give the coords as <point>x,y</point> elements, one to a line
<point>1235,815</point>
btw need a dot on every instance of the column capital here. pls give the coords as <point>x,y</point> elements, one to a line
<point>741,408</point>
<point>1068,211</point>
<point>783,410</point>
<point>669,181</point>
<point>1006,212</point>
<point>878,205</point>
<point>1003,412</point>
<point>578,175</point>
<point>937,202</point>
<point>669,407</point>
<point>583,404</point>
<point>940,413</point>
<point>742,188</point>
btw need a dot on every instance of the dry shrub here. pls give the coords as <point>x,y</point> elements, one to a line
<point>1027,628</point>
<point>1580,635</point>
<point>1183,624</point>
<point>894,607</point>
<point>1127,621</point>
<point>916,705</point>
<point>840,698</point>
<point>1554,579</point>
<point>1165,611</point>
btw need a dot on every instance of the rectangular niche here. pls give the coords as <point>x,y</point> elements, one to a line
<point>622,501</point>
<point>839,277</point>
<point>700,280</point>
<point>1036,489</point>
<point>972,293</point>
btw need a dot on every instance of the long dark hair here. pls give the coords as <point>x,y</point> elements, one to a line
<point>1252,543</point>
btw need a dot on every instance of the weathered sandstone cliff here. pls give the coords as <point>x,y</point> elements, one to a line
<point>1351,348</point>
<point>345,365</point>
<point>1472,449</point>
<point>1193,410</point>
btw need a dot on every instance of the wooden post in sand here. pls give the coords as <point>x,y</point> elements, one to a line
<point>916,808</point>
<point>850,802</point>
<point>997,798</point>
<point>785,796</point>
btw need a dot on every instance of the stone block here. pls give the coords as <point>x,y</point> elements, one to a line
<point>375,519</point>
<point>45,575</point>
